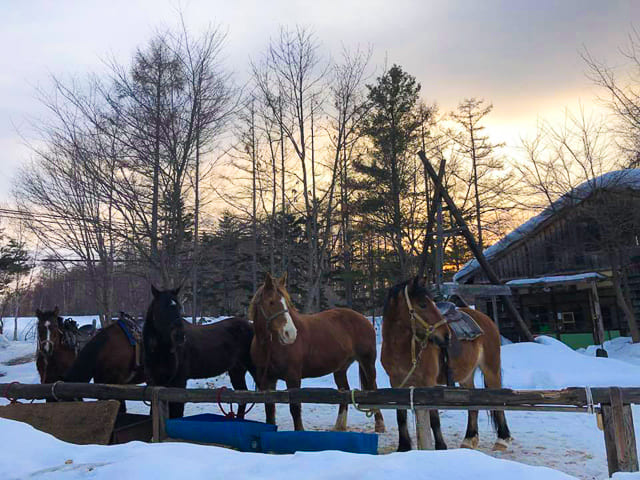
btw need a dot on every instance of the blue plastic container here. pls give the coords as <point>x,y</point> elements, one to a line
<point>290,442</point>
<point>210,428</point>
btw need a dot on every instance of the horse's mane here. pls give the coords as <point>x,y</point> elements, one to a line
<point>416,289</point>
<point>253,305</point>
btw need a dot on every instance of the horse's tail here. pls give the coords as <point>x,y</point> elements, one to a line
<point>493,414</point>
<point>84,367</point>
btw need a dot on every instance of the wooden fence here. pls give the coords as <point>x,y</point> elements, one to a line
<point>613,404</point>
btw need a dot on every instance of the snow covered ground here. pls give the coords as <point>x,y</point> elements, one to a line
<point>570,443</point>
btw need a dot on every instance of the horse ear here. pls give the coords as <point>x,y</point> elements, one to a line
<point>283,280</point>
<point>269,283</point>
<point>154,291</point>
<point>56,311</point>
<point>38,312</point>
<point>176,291</point>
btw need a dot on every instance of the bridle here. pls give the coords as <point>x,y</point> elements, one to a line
<point>431,328</point>
<point>48,341</point>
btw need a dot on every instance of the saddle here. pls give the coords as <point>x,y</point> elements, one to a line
<point>133,330</point>
<point>75,337</point>
<point>462,327</point>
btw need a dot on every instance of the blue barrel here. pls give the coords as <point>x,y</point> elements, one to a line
<point>243,435</point>
<point>290,442</point>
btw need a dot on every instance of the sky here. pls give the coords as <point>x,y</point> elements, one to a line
<point>524,57</point>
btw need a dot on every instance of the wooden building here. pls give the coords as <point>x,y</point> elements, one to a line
<point>559,263</point>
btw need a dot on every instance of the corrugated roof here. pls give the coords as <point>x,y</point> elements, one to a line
<point>616,180</point>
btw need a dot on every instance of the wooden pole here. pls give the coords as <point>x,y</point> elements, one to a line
<point>619,435</point>
<point>477,251</point>
<point>159,414</point>
<point>423,429</point>
<point>428,240</point>
<point>494,305</point>
<point>597,313</point>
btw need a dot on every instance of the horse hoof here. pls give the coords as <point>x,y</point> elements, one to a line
<point>380,428</point>
<point>471,443</point>
<point>501,444</point>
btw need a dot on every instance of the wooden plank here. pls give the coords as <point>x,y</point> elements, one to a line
<point>476,290</point>
<point>82,423</point>
<point>619,435</point>
<point>159,415</point>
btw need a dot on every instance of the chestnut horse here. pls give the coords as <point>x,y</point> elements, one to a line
<point>431,333</point>
<point>290,346</point>
<point>57,345</point>
<point>175,350</point>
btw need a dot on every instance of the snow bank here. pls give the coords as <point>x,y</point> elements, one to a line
<point>28,452</point>
<point>620,348</point>
<point>550,364</point>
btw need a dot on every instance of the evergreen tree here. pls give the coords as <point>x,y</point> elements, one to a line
<point>392,127</point>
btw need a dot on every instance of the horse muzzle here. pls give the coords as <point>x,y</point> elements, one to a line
<point>287,335</point>
<point>47,347</point>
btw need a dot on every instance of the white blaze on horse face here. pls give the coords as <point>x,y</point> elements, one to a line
<point>289,332</point>
<point>47,342</point>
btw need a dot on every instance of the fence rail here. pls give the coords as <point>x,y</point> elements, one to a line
<point>612,403</point>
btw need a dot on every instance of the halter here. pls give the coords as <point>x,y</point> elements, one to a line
<point>430,328</point>
<point>274,316</point>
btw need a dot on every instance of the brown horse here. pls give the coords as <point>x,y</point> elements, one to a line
<point>290,346</point>
<point>56,348</point>
<point>175,350</point>
<point>109,357</point>
<point>431,334</point>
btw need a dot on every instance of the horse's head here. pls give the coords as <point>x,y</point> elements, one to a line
<point>269,310</point>
<point>165,313</point>
<point>409,304</point>
<point>49,331</point>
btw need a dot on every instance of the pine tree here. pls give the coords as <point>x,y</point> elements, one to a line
<point>386,173</point>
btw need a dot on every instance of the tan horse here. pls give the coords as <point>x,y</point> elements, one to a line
<point>290,346</point>
<point>431,332</point>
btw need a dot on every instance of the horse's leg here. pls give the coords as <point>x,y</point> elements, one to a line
<point>404,440</point>
<point>237,376</point>
<point>342,383</point>
<point>295,408</point>
<point>176,409</point>
<point>269,408</point>
<point>437,432</point>
<point>368,382</point>
<point>471,438</point>
<point>493,379</point>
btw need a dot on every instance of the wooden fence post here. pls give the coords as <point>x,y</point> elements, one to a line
<point>423,429</point>
<point>619,436</point>
<point>159,413</point>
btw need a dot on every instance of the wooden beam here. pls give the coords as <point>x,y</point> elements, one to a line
<point>619,435</point>
<point>477,251</point>
<point>393,397</point>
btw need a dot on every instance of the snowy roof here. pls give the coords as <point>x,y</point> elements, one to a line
<point>616,180</point>
<point>528,282</point>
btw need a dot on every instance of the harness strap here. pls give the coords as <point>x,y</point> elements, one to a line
<point>369,412</point>
<point>430,328</point>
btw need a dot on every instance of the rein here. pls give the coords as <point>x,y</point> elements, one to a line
<point>415,319</point>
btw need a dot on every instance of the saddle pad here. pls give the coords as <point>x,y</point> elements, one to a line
<point>463,326</point>
<point>131,328</point>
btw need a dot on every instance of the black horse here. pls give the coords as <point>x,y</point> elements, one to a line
<point>175,350</point>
